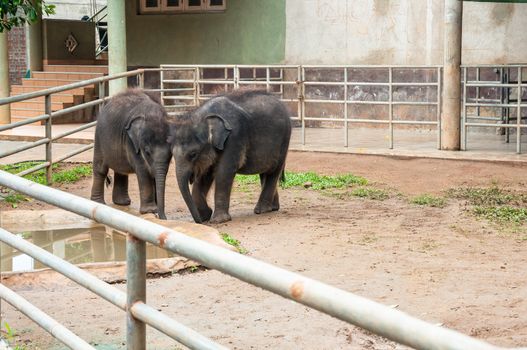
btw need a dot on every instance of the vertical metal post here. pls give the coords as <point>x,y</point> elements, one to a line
<point>506,101</point>
<point>464,128</point>
<point>267,79</point>
<point>141,80</point>
<point>301,100</point>
<point>135,291</point>
<point>451,75</point>
<point>102,94</point>
<point>162,85</point>
<point>477,90</point>
<point>225,77</point>
<point>346,131</point>
<point>196,86</point>
<point>390,104</point>
<point>519,113</point>
<point>5,110</point>
<point>117,62</point>
<point>236,75</point>
<point>438,109</point>
<point>49,159</point>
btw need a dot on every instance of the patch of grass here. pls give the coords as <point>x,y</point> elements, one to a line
<point>234,242</point>
<point>59,176</point>
<point>370,193</point>
<point>491,196</point>
<point>502,214</point>
<point>429,200</point>
<point>14,198</point>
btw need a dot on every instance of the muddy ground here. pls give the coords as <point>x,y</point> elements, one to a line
<point>443,265</point>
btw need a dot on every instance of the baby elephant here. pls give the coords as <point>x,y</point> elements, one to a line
<point>131,137</point>
<point>244,132</point>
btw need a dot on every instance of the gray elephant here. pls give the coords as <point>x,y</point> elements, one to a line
<point>244,132</point>
<point>131,137</point>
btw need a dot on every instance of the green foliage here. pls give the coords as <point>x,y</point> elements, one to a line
<point>14,198</point>
<point>15,13</point>
<point>370,193</point>
<point>59,176</point>
<point>502,214</point>
<point>234,242</point>
<point>488,196</point>
<point>10,337</point>
<point>309,180</point>
<point>429,200</point>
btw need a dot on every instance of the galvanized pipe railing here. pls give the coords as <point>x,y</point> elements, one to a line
<point>379,319</point>
<point>139,312</point>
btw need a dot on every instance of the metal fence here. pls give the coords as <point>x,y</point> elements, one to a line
<point>307,88</point>
<point>379,319</point>
<point>494,96</point>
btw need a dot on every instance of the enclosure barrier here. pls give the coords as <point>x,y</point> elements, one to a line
<point>379,319</point>
<point>503,94</point>
<point>49,115</point>
<point>192,83</point>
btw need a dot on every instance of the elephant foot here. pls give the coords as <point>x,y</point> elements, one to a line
<point>205,214</point>
<point>150,208</point>
<point>122,201</point>
<point>98,199</point>
<point>219,218</point>
<point>264,208</point>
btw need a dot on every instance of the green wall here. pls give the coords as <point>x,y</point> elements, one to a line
<point>248,32</point>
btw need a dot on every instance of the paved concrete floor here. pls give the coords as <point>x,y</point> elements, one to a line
<point>407,143</point>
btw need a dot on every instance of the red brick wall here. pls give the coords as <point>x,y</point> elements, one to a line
<point>17,54</point>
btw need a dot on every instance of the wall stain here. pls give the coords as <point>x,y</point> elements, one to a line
<point>381,7</point>
<point>501,13</point>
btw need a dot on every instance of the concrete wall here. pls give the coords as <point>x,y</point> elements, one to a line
<point>54,34</point>
<point>247,32</point>
<point>68,9</point>
<point>400,32</point>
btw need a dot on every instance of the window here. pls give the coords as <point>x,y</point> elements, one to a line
<point>181,6</point>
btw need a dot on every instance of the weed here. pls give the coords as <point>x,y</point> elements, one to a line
<point>59,176</point>
<point>429,200</point>
<point>370,193</point>
<point>10,336</point>
<point>488,196</point>
<point>14,198</point>
<point>502,214</point>
<point>234,242</point>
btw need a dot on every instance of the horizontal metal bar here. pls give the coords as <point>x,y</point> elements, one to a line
<point>523,126</point>
<point>111,294</point>
<point>79,107</point>
<point>493,66</point>
<point>497,105</point>
<point>61,88</point>
<point>365,83</point>
<point>38,316</point>
<point>483,118</point>
<point>73,131</point>
<point>373,121</point>
<point>496,84</point>
<point>24,147</point>
<point>73,153</point>
<point>270,82</point>
<point>23,122</point>
<point>414,103</point>
<point>181,90</point>
<point>34,169</point>
<point>382,320</point>
<point>405,103</point>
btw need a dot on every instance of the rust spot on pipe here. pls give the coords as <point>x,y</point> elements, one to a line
<point>297,290</point>
<point>162,239</point>
<point>94,212</point>
<point>131,237</point>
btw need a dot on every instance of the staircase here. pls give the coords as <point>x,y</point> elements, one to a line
<point>57,75</point>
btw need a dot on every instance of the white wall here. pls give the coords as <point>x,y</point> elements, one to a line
<point>68,9</point>
<point>400,32</point>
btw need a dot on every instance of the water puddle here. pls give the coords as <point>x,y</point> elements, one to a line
<point>76,245</point>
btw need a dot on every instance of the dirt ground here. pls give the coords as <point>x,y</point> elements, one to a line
<point>442,265</point>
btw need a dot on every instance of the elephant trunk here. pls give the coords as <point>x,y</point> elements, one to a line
<point>160,178</point>
<point>183,178</point>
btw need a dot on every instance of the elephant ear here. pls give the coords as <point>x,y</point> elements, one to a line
<point>133,129</point>
<point>219,130</point>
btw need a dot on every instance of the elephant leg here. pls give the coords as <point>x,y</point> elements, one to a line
<point>224,178</point>
<point>120,190</point>
<point>200,189</point>
<point>147,192</point>
<point>268,200</point>
<point>100,172</point>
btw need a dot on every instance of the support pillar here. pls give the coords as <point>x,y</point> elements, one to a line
<point>5,110</point>
<point>34,45</point>
<point>117,44</point>
<point>451,102</point>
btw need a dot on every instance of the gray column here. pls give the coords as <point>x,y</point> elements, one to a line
<point>34,45</point>
<point>117,44</point>
<point>5,111</point>
<point>451,102</point>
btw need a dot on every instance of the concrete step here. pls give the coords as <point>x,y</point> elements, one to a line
<point>46,82</point>
<point>55,106</point>
<point>65,76</point>
<point>20,89</point>
<point>76,68</point>
<point>58,98</point>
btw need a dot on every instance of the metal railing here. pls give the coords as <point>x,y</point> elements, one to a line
<point>48,116</point>
<point>501,96</point>
<point>379,319</point>
<point>300,85</point>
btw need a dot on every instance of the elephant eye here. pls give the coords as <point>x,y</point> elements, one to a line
<point>192,155</point>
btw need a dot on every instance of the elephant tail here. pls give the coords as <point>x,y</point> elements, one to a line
<point>282,179</point>
<point>108,181</point>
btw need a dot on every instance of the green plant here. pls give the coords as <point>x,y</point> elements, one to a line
<point>59,175</point>
<point>502,214</point>
<point>234,242</point>
<point>429,200</point>
<point>370,193</point>
<point>10,336</point>
<point>491,196</point>
<point>14,198</point>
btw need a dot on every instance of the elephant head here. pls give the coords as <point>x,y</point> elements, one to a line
<point>196,144</point>
<point>148,135</point>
